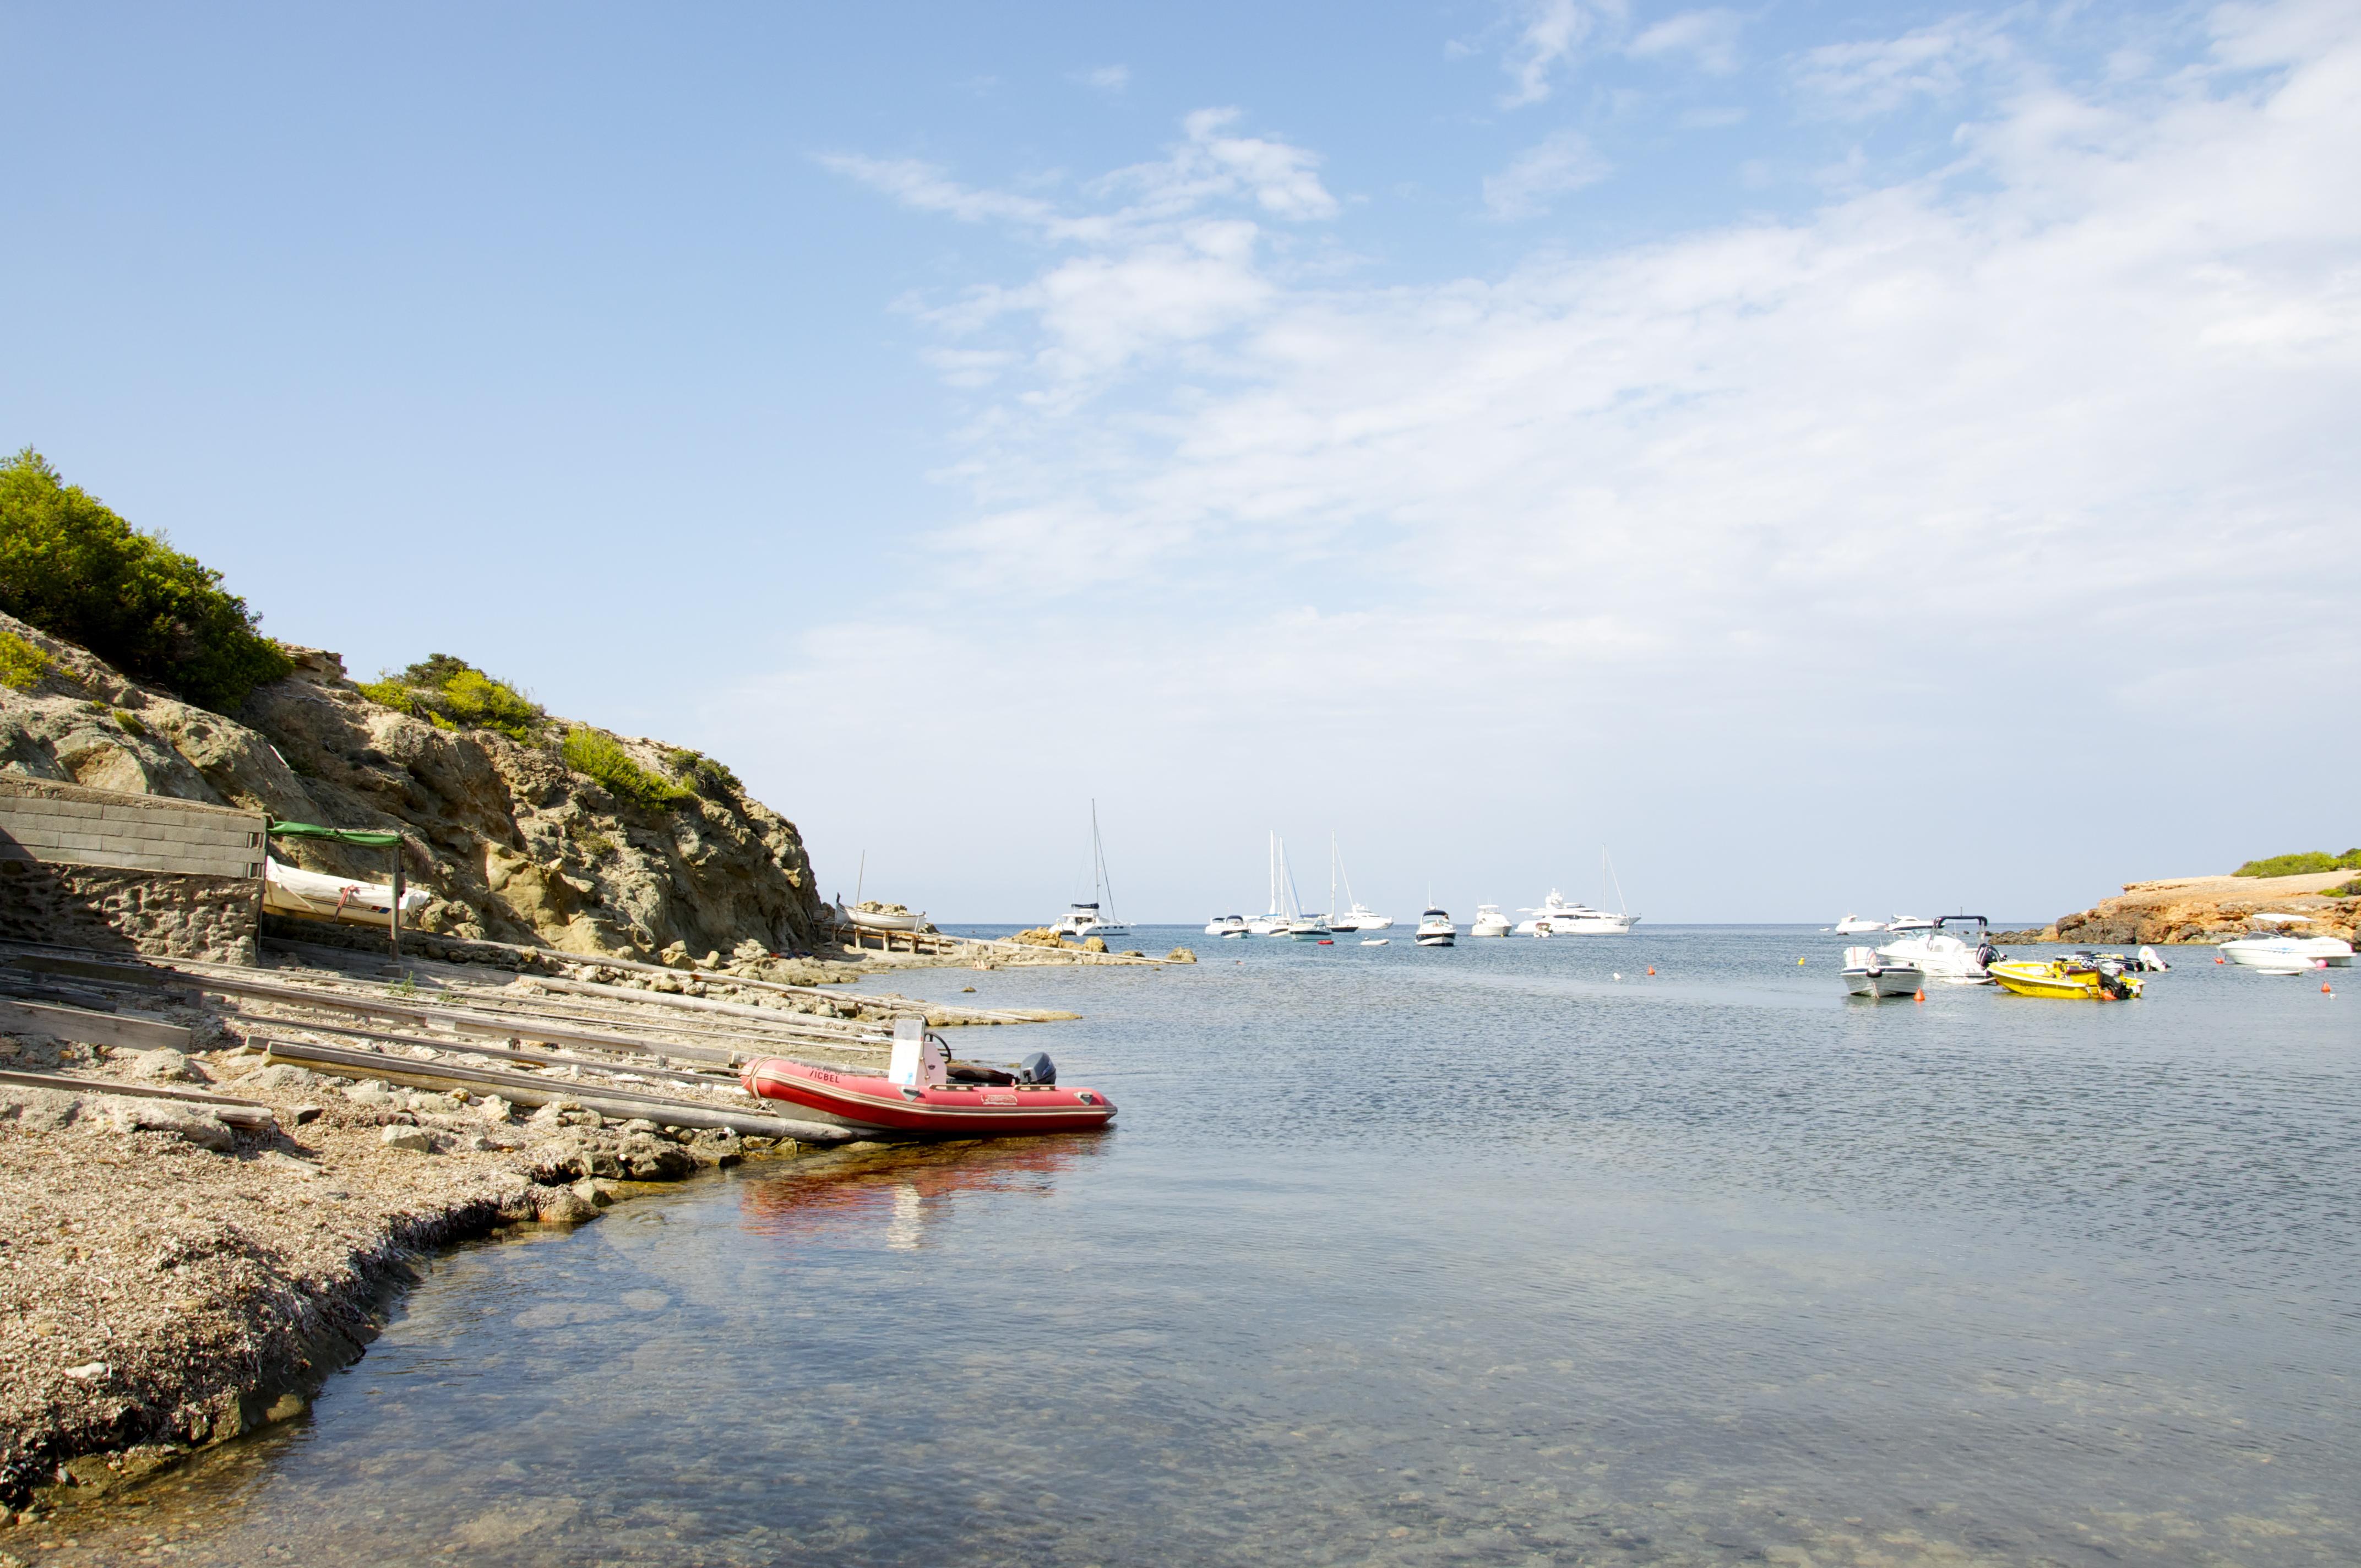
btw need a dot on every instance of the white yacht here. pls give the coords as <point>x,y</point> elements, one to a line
<point>1226,925</point>
<point>1359,916</point>
<point>1947,958</point>
<point>1435,929</point>
<point>1556,918</point>
<point>1909,923</point>
<point>1854,926</point>
<point>1095,918</point>
<point>1489,922</point>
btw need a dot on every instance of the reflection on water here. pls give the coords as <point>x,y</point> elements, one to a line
<point>1400,1259</point>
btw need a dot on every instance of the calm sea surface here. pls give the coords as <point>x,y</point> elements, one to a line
<point>1398,1255</point>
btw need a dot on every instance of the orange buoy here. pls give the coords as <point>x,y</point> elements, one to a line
<point>1652,968</point>
<point>2221,960</point>
<point>1918,996</point>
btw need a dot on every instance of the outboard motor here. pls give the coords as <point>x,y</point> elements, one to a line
<point>1985,954</point>
<point>1036,1069</point>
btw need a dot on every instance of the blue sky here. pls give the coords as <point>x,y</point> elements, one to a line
<point>1835,456</point>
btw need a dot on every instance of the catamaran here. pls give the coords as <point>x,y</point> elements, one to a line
<point>1359,916</point>
<point>1095,918</point>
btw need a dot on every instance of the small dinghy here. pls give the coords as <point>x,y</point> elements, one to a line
<point>926,1092</point>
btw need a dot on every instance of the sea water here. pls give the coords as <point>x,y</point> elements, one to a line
<point>1512,1253</point>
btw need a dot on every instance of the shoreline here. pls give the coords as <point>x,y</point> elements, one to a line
<point>2200,911</point>
<point>177,1273</point>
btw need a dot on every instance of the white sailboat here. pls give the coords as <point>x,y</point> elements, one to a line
<point>1302,928</point>
<point>1097,918</point>
<point>1358,918</point>
<point>1272,921</point>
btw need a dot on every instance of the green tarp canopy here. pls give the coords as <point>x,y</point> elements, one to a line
<point>334,835</point>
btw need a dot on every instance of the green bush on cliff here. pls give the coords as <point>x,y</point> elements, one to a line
<point>447,692</point>
<point>599,755</point>
<point>76,570</point>
<point>2311,863</point>
<point>22,666</point>
<point>709,778</point>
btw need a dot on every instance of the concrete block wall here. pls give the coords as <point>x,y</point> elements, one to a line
<point>89,868</point>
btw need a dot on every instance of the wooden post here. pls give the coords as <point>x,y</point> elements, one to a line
<point>393,920</point>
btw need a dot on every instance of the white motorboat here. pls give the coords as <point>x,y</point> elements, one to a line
<point>1358,916</point>
<point>1909,923</point>
<point>1095,918</point>
<point>1854,926</point>
<point>1377,941</point>
<point>1866,974</point>
<point>1488,922</point>
<point>294,891</point>
<point>1226,925</point>
<point>1944,956</point>
<point>2289,955</point>
<point>1435,929</point>
<point>1556,918</point>
<point>1310,929</point>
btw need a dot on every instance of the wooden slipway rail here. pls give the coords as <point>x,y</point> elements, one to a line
<point>522,1088</point>
<point>251,1114</point>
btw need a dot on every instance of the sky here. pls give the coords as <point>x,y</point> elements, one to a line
<point>1886,458</point>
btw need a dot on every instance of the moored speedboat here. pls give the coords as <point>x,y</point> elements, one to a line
<point>2289,953</point>
<point>924,1092</point>
<point>1435,929</point>
<point>1488,922</point>
<point>1868,974</point>
<point>1226,925</point>
<point>1909,923</point>
<point>1944,956</point>
<point>2076,979</point>
<point>1854,926</point>
<point>1556,918</point>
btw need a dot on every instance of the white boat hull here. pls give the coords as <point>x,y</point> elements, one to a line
<point>1942,957</point>
<point>291,890</point>
<point>2289,954</point>
<point>869,921</point>
<point>1887,980</point>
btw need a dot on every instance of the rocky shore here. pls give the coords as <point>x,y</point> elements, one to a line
<point>2204,909</point>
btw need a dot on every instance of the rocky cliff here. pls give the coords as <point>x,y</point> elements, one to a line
<point>513,844</point>
<point>2207,909</point>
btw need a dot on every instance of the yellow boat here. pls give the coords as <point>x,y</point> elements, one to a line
<point>2072,979</point>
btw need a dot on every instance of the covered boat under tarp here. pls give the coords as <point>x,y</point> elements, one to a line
<point>291,890</point>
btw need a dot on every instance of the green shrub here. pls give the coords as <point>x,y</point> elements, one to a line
<point>387,692</point>
<point>709,778</point>
<point>76,570</point>
<point>22,666</point>
<point>2347,890</point>
<point>472,696</point>
<point>2308,863</point>
<point>599,755</point>
<point>128,723</point>
<point>594,846</point>
<point>448,692</point>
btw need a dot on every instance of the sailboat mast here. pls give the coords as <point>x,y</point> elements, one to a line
<point>1098,883</point>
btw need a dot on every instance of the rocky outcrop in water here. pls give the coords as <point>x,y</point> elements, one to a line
<point>2205,909</point>
<point>513,844</point>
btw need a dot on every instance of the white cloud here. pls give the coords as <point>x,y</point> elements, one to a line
<point>1549,36</point>
<point>1107,78</point>
<point>1708,37</point>
<point>2036,465</point>
<point>1561,162</point>
<point>1855,81</point>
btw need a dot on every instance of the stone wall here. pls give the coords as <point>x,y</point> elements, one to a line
<point>161,913</point>
<point>88,868</point>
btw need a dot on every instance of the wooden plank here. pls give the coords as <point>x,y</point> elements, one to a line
<point>522,1090</point>
<point>249,1113</point>
<point>130,973</point>
<point>494,1053</point>
<point>85,1027</point>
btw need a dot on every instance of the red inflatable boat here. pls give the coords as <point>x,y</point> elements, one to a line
<point>950,1110</point>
